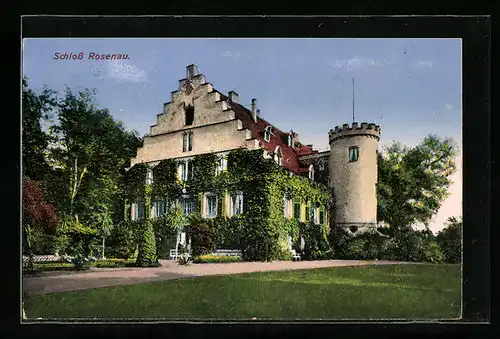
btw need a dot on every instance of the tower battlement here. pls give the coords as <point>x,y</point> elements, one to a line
<point>347,130</point>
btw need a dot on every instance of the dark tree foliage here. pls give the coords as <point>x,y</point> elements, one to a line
<point>36,109</point>
<point>450,240</point>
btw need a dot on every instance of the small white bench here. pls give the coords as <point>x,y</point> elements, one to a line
<point>295,256</point>
<point>174,254</point>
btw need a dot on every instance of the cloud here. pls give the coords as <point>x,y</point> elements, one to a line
<point>423,64</point>
<point>123,71</point>
<point>236,55</point>
<point>448,107</point>
<point>355,63</point>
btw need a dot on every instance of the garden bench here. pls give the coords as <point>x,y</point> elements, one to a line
<point>174,254</point>
<point>295,256</point>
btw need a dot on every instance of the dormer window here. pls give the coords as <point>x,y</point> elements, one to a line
<point>311,172</point>
<point>267,133</point>
<point>278,156</point>
<point>290,140</point>
<point>189,115</point>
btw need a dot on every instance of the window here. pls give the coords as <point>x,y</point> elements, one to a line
<point>311,173</point>
<point>284,205</point>
<point>211,206</point>
<point>188,205</point>
<point>279,158</point>
<point>321,217</point>
<point>321,166</point>
<point>189,111</point>
<point>185,170</point>
<point>237,200</point>
<point>221,165</point>
<point>308,216</point>
<point>313,214</point>
<point>187,141</point>
<point>149,177</point>
<point>290,140</point>
<point>267,133</point>
<point>137,211</point>
<point>353,153</point>
<point>159,208</point>
<point>296,210</point>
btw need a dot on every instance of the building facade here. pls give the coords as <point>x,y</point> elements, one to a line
<point>200,120</point>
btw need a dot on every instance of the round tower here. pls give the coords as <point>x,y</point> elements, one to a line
<point>353,175</point>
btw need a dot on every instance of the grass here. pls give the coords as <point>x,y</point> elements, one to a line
<point>66,266</point>
<point>419,291</point>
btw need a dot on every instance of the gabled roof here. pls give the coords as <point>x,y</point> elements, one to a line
<point>277,138</point>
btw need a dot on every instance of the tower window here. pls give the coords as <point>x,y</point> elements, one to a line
<point>353,153</point>
<point>321,166</point>
<point>290,139</point>
<point>189,110</point>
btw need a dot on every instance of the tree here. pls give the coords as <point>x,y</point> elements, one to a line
<point>36,109</point>
<point>413,181</point>
<point>37,214</point>
<point>450,240</point>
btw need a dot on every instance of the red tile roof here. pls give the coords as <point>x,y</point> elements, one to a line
<point>277,138</point>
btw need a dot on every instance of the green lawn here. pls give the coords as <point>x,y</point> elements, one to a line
<point>395,291</point>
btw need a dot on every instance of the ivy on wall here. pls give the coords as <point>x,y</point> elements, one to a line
<point>263,229</point>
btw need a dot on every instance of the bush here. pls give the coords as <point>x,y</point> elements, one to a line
<point>147,247</point>
<point>417,246</point>
<point>316,242</point>
<point>202,237</point>
<point>211,258</point>
<point>166,235</point>
<point>124,239</point>
<point>450,240</point>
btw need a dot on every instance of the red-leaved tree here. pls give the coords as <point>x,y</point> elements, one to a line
<point>37,212</point>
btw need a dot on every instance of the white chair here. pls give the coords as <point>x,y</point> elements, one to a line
<point>173,254</point>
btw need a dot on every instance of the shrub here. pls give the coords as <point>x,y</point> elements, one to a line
<point>123,240</point>
<point>450,240</point>
<point>166,235</point>
<point>211,258</point>
<point>147,247</point>
<point>316,242</point>
<point>202,237</point>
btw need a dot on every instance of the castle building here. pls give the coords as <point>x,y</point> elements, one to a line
<point>199,120</point>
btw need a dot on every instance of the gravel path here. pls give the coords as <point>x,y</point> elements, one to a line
<point>53,282</point>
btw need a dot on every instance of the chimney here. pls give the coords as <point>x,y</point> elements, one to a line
<point>191,71</point>
<point>233,97</point>
<point>254,109</point>
<point>258,113</point>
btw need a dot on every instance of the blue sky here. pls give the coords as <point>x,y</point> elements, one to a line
<point>411,87</point>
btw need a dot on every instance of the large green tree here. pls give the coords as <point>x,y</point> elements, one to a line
<point>90,153</point>
<point>37,109</point>
<point>414,181</point>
